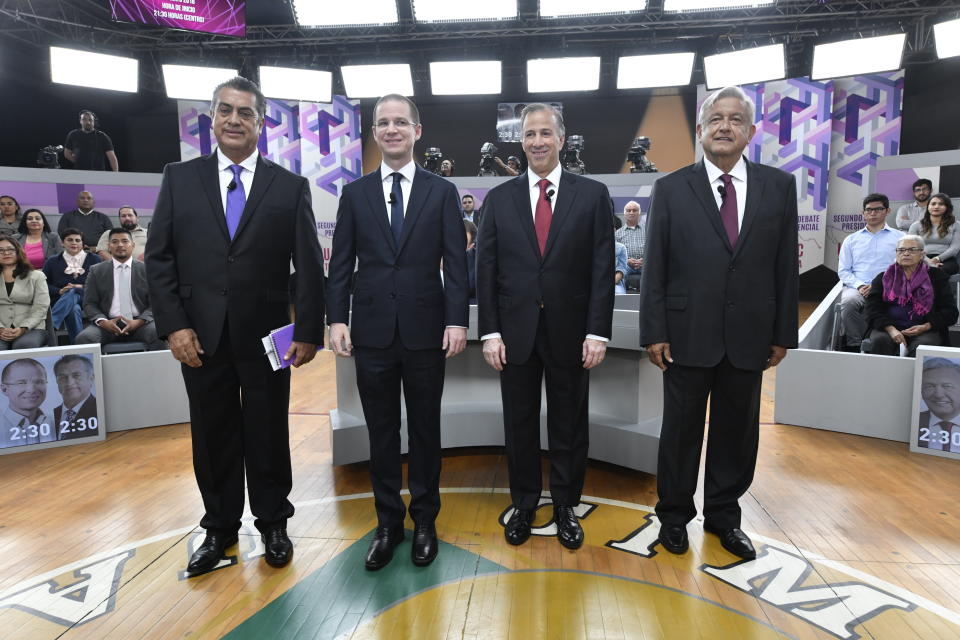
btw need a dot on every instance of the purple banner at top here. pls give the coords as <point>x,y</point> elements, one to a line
<point>221,17</point>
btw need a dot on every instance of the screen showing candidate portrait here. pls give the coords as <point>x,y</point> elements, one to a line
<point>48,399</point>
<point>221,17</point>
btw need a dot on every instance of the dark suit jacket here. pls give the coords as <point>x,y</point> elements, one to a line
<point>399,287</point>
<point>571,282</point>
<point>98,291</point>
<point>199,278</point>
<point>87,410</point>
<point>941,316</point>
<point>702,296</point>
<point>57,278</point>
<point>472,272</point>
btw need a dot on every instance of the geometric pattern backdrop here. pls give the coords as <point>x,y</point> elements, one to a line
<point>826,134</point>
<point>320,141</point>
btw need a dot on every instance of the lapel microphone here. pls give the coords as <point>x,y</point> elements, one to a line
<point>232,185</point>
<point>722,190</point>
<point>549,195</point>
<point>392,199</point>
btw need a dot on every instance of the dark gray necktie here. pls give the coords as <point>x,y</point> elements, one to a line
<point>396,208</point>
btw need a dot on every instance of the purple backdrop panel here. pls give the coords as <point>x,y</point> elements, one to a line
<point>42,195</point>
<point>60,197</point>
<point>221,17</point>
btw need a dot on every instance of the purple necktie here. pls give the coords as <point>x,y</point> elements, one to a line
<point>728,209</point>
<point>236,199</point>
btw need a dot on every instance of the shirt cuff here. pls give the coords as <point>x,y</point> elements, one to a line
<point>489,336</point>
<point>455,326</point>
<point>593,337</point>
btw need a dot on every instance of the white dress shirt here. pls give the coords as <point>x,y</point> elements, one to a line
<point>115,304</point>
<point>739,175</point>
<point>406,183</point>
<point>225,174</point>
<point>554,179</point>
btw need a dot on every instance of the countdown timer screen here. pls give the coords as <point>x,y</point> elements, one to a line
<point>221,17</point>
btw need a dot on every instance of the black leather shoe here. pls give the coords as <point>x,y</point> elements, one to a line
<point>518,526</point>
<point>380,552</point>
<point>425,545</point>
<point>278,550</point>
<point>569,531</point>
<point>733,540</point>
<point>673,537</point>
<point>209,554</point>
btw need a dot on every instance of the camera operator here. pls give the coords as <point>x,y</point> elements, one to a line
<point>88,147</point>
<point>446,167</point>
<point>512,166</point>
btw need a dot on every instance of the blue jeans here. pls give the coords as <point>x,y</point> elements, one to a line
<point>67,310</point>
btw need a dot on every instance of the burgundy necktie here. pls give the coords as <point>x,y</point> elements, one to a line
<point>728,209</point>
<point>543,216</point>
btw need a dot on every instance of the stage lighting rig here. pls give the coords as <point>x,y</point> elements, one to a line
<point>487,166</point>
<point>637,155</point>
<point>570,156</point>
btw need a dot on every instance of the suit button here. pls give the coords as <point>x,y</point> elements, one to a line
<point>730,305</point>
<point>396,267</point>
<point>231,259</point>
<point>732,268</point>
<point>393,296</point>
<point>223,292</point>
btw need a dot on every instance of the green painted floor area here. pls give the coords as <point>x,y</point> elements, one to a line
<point>342,595</point>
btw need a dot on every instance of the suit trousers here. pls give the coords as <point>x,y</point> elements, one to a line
<point>731,442</point>
<point>883,344</point>
<point>380,374</point>
<point>232,435</point>
<point>568,386</point>
<point>146,334</point>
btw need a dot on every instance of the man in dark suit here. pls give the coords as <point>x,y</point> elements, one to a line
<point>116,299</point>
<point>225,229</point>
<point>398,223</point>
<point>545,306</point>
<point>718,306</point>
<point>77,416</point>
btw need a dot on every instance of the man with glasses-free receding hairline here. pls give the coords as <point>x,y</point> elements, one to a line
<point>24,383</point>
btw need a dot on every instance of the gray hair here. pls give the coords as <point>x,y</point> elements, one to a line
<point>726,92</point>
<point>239,83</point>
<point>539,106</point>
<point>633,202</point>
<point>929,364</point>
<point>914,238</point>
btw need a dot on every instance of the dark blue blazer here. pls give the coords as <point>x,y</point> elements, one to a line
<point>56,277</point>
<point>398,286</point>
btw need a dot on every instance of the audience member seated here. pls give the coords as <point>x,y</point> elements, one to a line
<point>620,266</point>
<point>910,303</point>
<point>116,300</point>
<point>912,211</point>
<point>633,236</point>
<point>38,241</point>
<point>939,230</point>
<point>863,255</point>
<point>24,301</point>
<point>129,220</point>
<point>471,230</point>
<point>91,223</point>
<point>66,274</point>
<point>9,216</point>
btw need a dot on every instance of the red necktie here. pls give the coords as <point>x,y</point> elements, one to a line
<point>728,209</point>
<point>543,216</point>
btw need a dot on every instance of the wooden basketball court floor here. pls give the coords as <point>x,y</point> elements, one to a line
<point>857,538</point>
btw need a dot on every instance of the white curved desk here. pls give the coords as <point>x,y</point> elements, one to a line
<point>626,402</point>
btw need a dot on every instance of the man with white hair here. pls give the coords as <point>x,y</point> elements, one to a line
<point>633,236</point>
<point>718,306</point>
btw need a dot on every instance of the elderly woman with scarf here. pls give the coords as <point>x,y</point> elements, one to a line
<point>910,303</point>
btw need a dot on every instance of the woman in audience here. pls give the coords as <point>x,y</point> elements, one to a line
<point>910,303</point>
<point>9,215</point>
<point>38,241</point>
<point>446,167</point>
<point>940,233</point>
<point>66,275</point>
<point>24,301</point>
